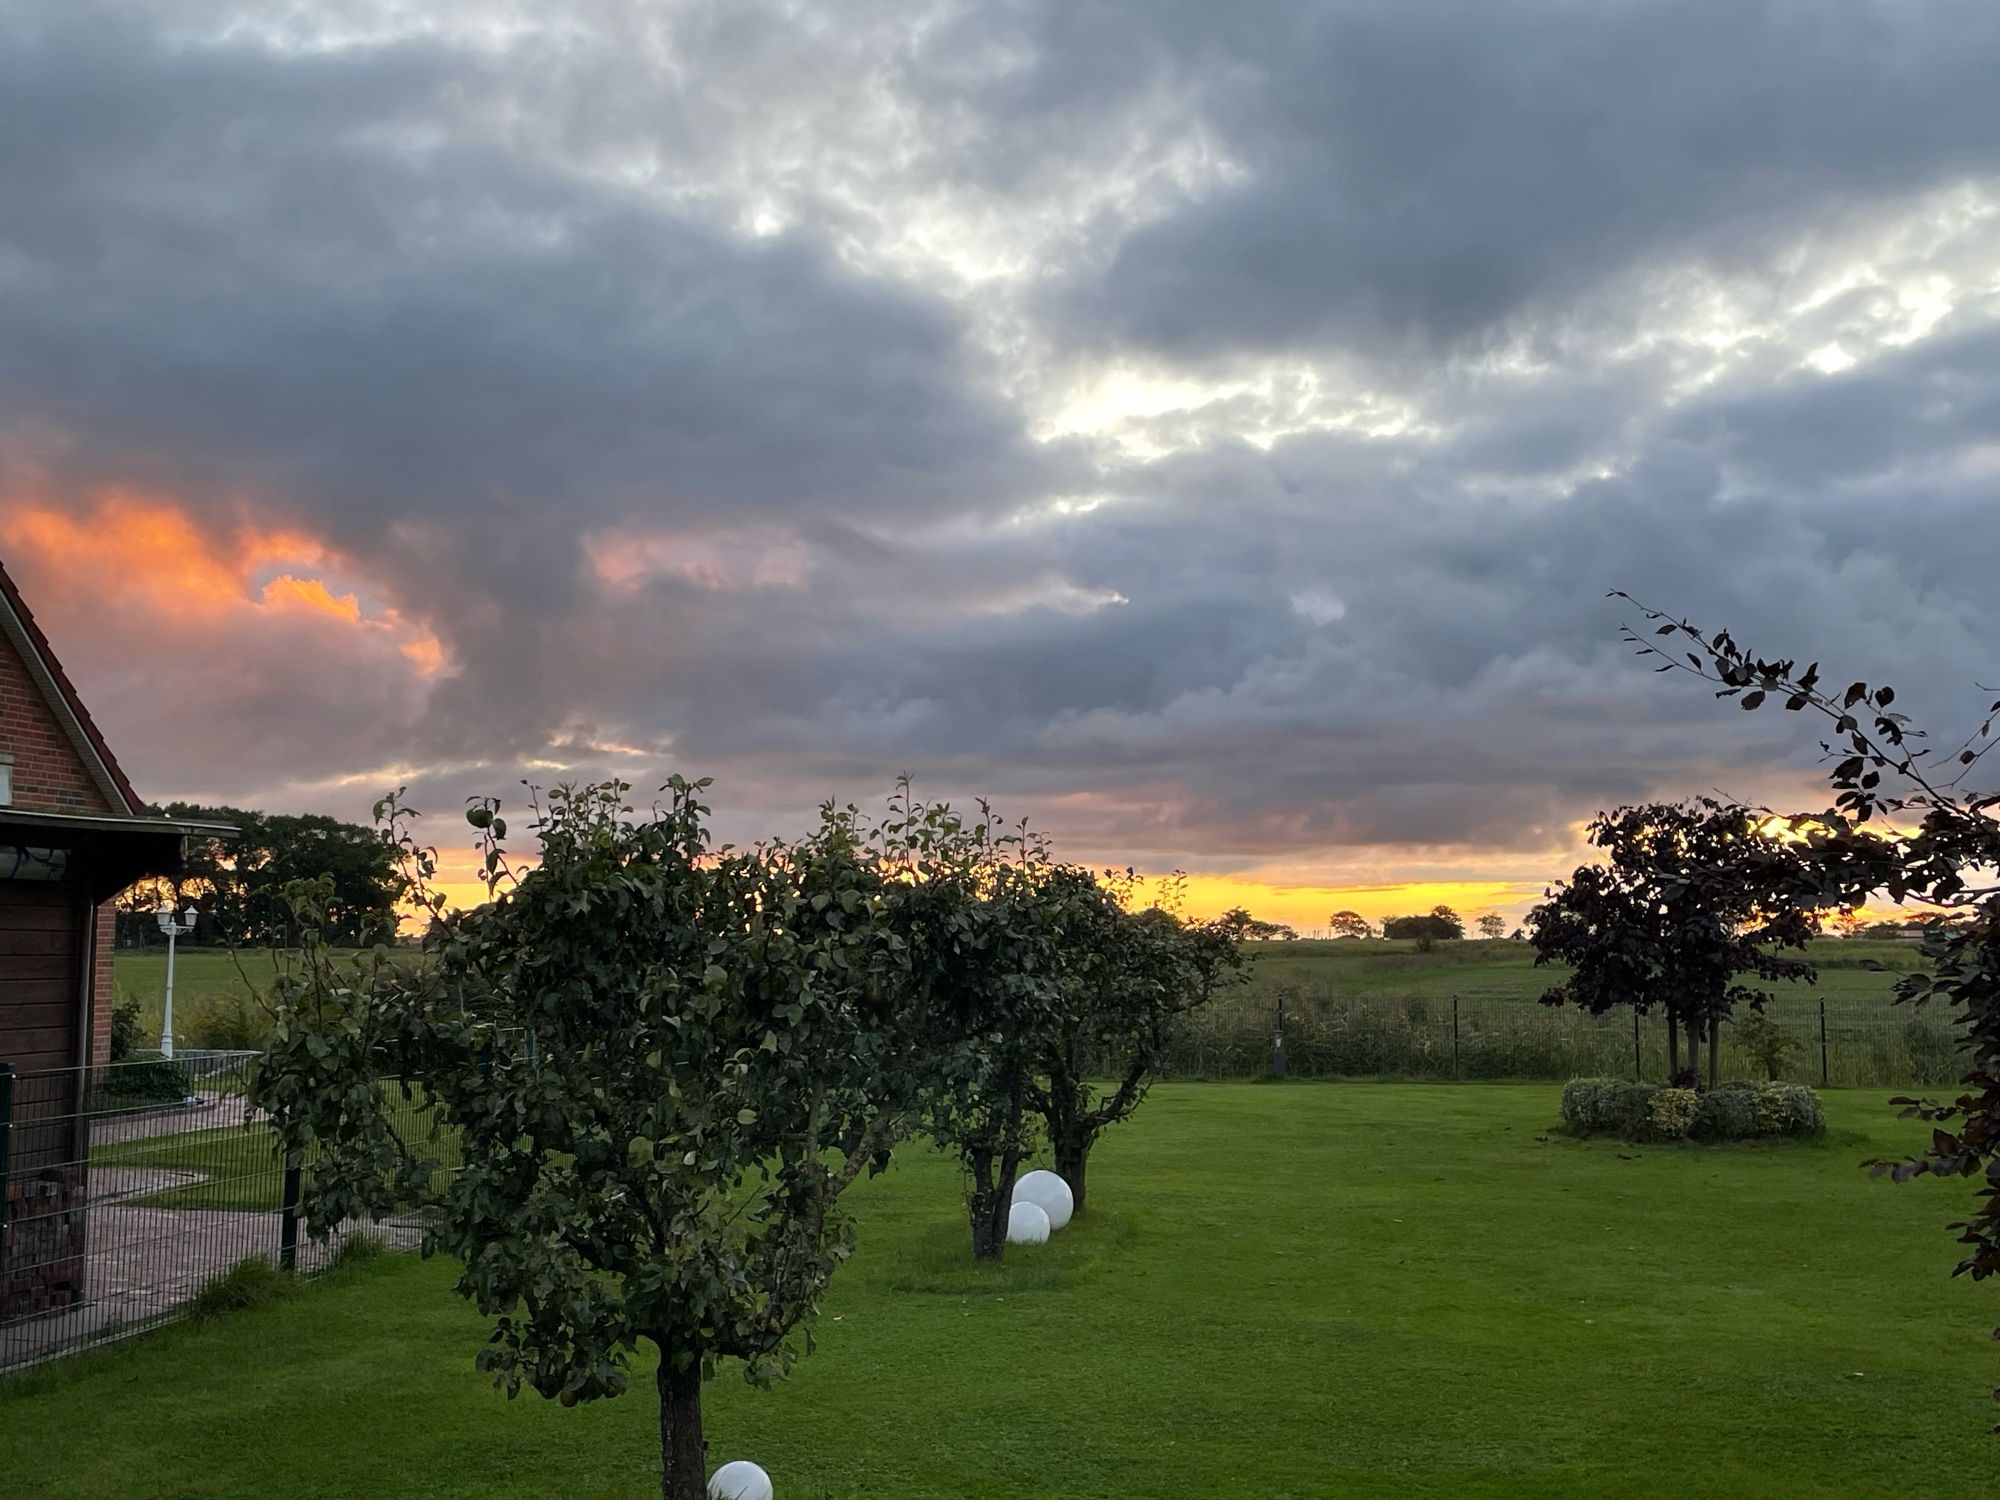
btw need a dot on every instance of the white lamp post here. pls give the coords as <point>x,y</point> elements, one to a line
<point>173,926</point>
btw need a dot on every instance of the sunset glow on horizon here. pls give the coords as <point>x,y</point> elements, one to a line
<point>629,396</point>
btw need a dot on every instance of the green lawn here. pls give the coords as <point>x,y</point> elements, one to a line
<point>1317,1290</point>
<point>239,1166</point>
<point>215,992</point>
<point>1506,970</point>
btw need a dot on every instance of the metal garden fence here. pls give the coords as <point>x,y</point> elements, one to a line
<point>1292,1033</point>
<point>127,1187</point>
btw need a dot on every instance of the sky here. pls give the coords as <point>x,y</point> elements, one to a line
<point>1209,430</point>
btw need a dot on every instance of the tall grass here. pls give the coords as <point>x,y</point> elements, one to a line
<point>1333,1034</point>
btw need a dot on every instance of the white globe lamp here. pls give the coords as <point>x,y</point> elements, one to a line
<point>1050,1194</point>
<point>739,1480</point>
<point>1027,1224</point>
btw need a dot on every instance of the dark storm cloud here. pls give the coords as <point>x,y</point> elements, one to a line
<point>340,281</point>
<point>1428,173</point>
<point>636,355</point>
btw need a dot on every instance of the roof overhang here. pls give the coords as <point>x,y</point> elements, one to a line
<point>108,852</point>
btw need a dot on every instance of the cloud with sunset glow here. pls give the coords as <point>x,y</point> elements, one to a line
<point>1208,430</point>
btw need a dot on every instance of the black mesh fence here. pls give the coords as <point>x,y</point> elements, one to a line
<point>127,1187</point>
<point>1832,1042</point>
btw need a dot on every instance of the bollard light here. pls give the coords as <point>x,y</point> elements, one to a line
<point>739,1479</point>
<point>1027,1224</point>
<point>1049,1193</point>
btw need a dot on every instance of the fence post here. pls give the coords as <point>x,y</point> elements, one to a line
<point>1454,1036</point>
<point>6,1159</point>
<point>1822,1044</point>
<point>1278,1039</point>
<point>1638,1057</point>
<point>288,1221</point>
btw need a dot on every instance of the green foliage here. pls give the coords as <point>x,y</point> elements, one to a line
<point>240,885</point>
<point>1734,1111</point>
<point>1126,979</point>
<point>1671,1114</point>
<point>1691,896</point>
<point>228,1020</point>
<point>142,1079</point>
<point>1768,1043</point>
<point>251,1282</point>
<point>1905,823</point>
<point>1728,1112</point>
<point>1592,1106</point>
<point>1439,925</point>
<point>1788,1109</point>
<point>126,1035</point>
<point>663,1062</point>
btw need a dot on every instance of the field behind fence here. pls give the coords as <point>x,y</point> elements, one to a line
<point>1470,1010</point>
<point>1368,1009</point>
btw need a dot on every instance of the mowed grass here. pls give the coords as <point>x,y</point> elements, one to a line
<point>1852,971</point>
<point>1280,1292</point>
<point>217,994</point>
<point>239,1165</point>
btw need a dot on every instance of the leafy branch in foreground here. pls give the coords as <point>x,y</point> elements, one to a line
<point>1905,821</point>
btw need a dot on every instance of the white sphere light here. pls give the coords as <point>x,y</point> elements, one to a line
<point>1050,1194</point>
<point>739,1480</point>
<point>1027,1224</point>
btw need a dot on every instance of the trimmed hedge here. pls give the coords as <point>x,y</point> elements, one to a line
<point>1729,1112</point>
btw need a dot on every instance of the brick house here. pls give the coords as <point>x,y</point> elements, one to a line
<point>73,834</point>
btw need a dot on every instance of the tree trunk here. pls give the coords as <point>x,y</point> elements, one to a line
<point>989,1202</point>
<point>989,1221</point>
<point>1714,1050</point>
<point>1673,1047</point>
<point>1072,1161</point>
<point>683,1451</point>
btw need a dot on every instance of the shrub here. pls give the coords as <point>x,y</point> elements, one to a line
<point>1728,1113</point>
<point>1629,1108</point>
<point>227,1020</point>
<point>249,1283</point>
<point>1789,1109</point>
<point>1672,1114</point>
<point>126,1038</point>
<point>1768,1043</point>
<point>143,1078</point>
<point>1591,1105</point>
<point>1582,1103</point>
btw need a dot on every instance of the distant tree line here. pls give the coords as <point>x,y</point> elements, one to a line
<point>238,885</point>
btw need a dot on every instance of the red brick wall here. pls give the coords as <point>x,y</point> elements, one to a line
<point>49,776</point>
<point>103,992</point>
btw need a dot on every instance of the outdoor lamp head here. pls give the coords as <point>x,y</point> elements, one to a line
<point>188,916</point>
<point>165,917</point>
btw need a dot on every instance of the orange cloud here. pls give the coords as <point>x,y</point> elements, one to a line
<point>144,554</point>
<point>311,594</point>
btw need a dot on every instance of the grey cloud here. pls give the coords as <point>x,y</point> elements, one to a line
<point>414,296</point>
<point>1414,177</point>
<point>338,282</point>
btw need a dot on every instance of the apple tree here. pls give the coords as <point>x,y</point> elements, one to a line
<point>661,1061</point>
